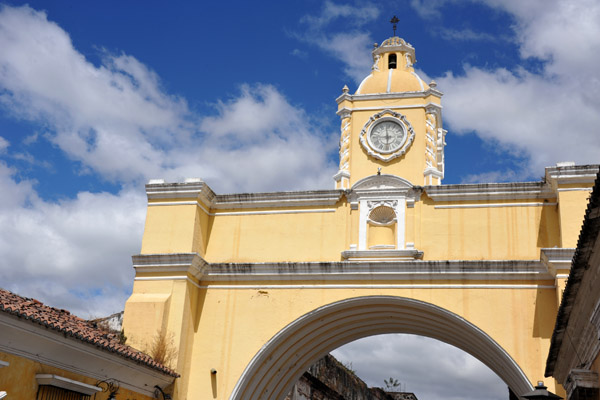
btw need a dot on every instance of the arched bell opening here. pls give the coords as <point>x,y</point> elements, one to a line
<point>284,358</point>
<point>392,61</point>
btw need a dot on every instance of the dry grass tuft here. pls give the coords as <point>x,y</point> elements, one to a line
<point>162,349</point>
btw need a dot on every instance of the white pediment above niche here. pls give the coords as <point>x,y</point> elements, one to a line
<point>382,182</point>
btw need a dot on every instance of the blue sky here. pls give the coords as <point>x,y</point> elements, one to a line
<point>98,97</point>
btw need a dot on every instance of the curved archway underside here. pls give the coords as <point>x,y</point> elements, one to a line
<point>285,357</point>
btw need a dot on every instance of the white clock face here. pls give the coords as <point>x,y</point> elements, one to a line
<point>387,136</point>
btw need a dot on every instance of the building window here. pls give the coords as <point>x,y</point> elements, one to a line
<point>56,387</point>
<point>55,393</point>
<point>392,61</point>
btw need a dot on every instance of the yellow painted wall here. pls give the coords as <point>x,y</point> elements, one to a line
<point>18,379</point>
<point>571,209</point>
<point>318,236</point>
<point>485,233</point>
<point>175,229</point>
<point>499,233</point>
<point>234,324</point>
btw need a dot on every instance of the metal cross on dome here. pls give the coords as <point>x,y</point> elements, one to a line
<point>394,21</point>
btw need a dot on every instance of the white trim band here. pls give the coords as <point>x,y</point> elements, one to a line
<point>192,203</point>
<point>495,205</point>
<point>354,286</point>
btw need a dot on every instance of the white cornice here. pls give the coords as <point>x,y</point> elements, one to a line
<point>207,198</point>
<point>189,263</point>
<point>390,96</point>
<point>344,96</point>
<point>433,171</point>
<point>490,191</point>
<point>197,189</point>
<point>35,342</point>
<point>570,174</point>
<point>278,199</point>
<point>557,258</point>
<point>495,205</point>
<point>341,174</point>
<point>370,270</point>
<point>382,181</point>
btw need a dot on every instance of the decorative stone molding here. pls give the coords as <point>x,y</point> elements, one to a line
<point>344,112</point>
<point>375,66</point>
<point>395,44</point>
<point>379,183</point>
<point>389,96</point>
<point>156,189</point>
<point>557,258</point>
<point>434,144</point>
<point>409,268</point>
<point>570,174</point>
<point>382,213</point>
<point>344,152</point>
<point>207,199</point>
<point>490,191</point>
<point>189,263</point>
<point>376,190</point>
<point>579,379</point>
<point>278,199</point>
<point>381,254</point>
<point>342,179</point>
<point>397,117</point>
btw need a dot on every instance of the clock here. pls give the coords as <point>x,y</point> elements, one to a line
<point>386,136</point>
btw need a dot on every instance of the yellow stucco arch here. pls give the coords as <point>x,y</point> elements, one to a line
<point>478,266</point>
<point>283,359</point>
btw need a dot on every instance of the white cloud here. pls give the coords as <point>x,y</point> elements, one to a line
<point>429,368</point>
<point>429,9</point>
<point>357,15</point>
<point>3,144</point>
<point>72,250</point>
<point>507,175</point>
<point>118,122</point>
<point>549,116</point>
<point>351,46</point>
<point>467,34</point>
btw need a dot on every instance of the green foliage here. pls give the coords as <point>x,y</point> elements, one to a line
<point>391,384</point>
<point>348,366</point>
<point>122,338</point>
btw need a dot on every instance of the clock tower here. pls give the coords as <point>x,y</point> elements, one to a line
<point>393,123</point>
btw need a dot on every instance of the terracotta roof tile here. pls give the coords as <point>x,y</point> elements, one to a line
<point>86,331</point>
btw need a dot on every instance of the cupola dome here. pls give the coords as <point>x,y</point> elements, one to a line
<point>392,70</point>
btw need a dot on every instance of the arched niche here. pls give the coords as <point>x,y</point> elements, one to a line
<point>283,359</point>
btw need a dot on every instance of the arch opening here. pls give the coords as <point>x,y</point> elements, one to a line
<point>425,367</point>
<point>285,357</point>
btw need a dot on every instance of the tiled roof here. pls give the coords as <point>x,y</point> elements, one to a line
<point>64,322</point>
<point>588,236</point>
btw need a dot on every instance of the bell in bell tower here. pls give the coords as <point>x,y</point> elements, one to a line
<point>393,122</point>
